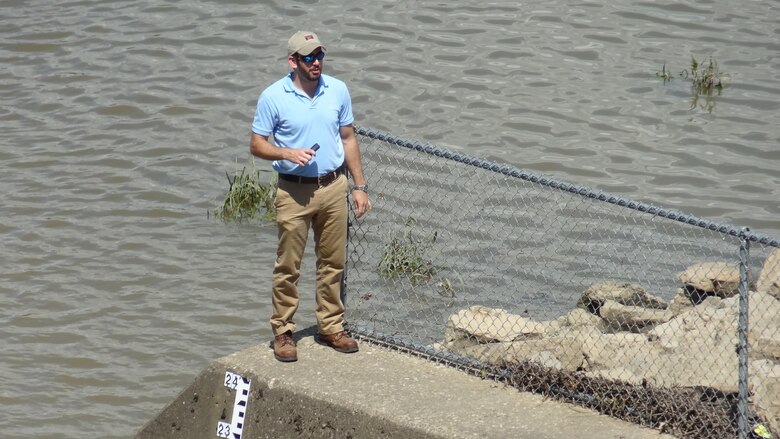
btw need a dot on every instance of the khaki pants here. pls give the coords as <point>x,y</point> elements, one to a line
<point>324,209</point>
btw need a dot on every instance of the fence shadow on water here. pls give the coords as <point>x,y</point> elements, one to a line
<point>565,291</point>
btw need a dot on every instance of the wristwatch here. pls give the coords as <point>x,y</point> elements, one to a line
<point>360,187</point>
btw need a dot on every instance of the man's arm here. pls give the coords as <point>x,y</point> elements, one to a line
<point>355,167</point>
<point>352,154</point>
<point>259,146</point>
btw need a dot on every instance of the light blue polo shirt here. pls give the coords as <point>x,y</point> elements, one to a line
<point>297,121</point>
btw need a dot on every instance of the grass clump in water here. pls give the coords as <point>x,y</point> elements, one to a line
<point>406,256</point>
<point>248,198</point>
<point>706,81</point>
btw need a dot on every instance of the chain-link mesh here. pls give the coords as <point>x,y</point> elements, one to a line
<point>580,295</point>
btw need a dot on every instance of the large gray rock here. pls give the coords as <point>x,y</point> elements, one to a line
<point>621,356</point>
<point>485,325</point>
<point>620,292</point>
<point>698,348</point>
<point>769,279</point>
<point>765,380</point>
<point>681,302</point>
<point>579,317</point>
<point>764,323</point>
<point>569,348</point>
<point>719,278</point>
<point>502,353</point>
<point>713,319</point>
<point>621,350</point>
<point>632,318</point>
<point>695,347</point>
<point>716,319</point>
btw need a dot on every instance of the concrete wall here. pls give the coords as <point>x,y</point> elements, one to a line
<point>375,393</point>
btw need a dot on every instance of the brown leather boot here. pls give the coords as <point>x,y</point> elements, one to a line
<point>339,341</point>
<point>284,348</point>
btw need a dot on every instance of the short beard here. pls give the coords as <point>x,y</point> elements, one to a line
<point>307,75</point>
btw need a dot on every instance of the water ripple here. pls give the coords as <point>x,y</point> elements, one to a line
<point>120,120</point>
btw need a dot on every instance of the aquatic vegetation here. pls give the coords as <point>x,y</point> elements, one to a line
<point>706,80</point>
<point>247,198</point>
<point>666,75</point>
<point>709,78</point>
<point>406,256</point>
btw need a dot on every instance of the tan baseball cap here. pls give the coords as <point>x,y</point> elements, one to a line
<point>303,42</point>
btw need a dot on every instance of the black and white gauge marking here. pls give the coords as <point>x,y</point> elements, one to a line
<point>240,384</point>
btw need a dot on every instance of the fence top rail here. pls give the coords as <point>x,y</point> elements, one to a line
<point>584,191</point>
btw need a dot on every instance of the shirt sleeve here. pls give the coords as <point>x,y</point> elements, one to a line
<point>345,115</point>
<point>266,117</point>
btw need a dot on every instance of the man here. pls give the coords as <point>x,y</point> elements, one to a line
<point>310,116</point>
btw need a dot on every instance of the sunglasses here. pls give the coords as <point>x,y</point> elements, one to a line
<point>308,59</point>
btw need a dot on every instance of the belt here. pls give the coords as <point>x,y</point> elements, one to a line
<point>320,180</point>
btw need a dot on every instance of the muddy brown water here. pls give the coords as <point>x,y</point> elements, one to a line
<point>120,120</point>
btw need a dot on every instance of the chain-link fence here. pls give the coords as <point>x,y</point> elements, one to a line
<point>623,307</point>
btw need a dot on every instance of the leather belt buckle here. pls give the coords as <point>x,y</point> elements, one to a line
<point>320,180</point>
<point>326,179</point>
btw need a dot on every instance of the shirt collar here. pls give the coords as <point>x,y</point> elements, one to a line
<point>291,88</point>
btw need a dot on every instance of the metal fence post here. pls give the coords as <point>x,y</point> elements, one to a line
<point>744,274</point>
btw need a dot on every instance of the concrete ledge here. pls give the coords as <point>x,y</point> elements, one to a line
<point>375,393</point>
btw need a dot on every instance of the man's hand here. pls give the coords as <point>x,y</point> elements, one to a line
<point>299,156</point>
<point>362,204</point>
<point>259,146</point>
